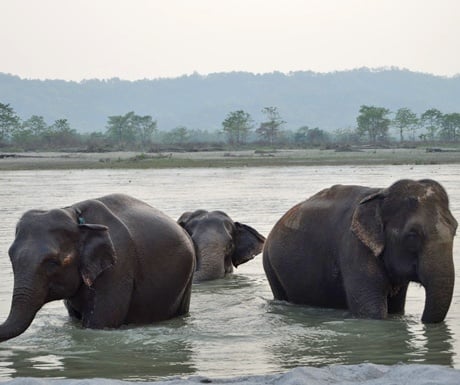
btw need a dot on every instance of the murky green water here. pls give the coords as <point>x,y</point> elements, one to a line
<point>234,327</point>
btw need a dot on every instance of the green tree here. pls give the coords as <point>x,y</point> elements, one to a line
<point>144,128</point>
<point>270,129</point>
<point>34,133</point>
<point>23,137</point>
<point>450,127</point>
<point>431,119</point>
<point>300,136</point>
<point>114,128</point>
<point>374,122</point>
<point>61,134</point>
<point>311,136</point>
<point>179,135</point>
<point>36,124</point>
<point>96,142</point>
<point>131,130</point>
<point>119,129</point>
<point>237,126</point>
<point>61,125</point>
<point>405,121</point>
<point>9,122</point>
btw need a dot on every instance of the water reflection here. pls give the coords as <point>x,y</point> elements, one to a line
<point>434,343</point>
<point>139,353</point>
<point>320,337</point>
<point>227,339</point>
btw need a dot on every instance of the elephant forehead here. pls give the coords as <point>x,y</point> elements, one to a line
<point>31,230</point>
<point>212,225</point>
<point>39,232</point>
<point>211,236</point>
<point>428,193</point>
<point>51,219</point>
<point>44,232</point>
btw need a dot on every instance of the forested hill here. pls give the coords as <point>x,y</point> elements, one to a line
<point>328,101</point>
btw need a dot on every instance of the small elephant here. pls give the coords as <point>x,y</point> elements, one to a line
<point>358,248</point>
<point>114,260</point>
<point>219,242</point>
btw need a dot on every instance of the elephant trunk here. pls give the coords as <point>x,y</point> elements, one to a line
<point>438,282</point>
<point>22,313</point>
<point>210,260</point>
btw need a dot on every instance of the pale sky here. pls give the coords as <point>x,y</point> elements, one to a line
<point>147,39</point>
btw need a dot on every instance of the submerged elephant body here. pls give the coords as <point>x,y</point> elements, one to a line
<point>358,248</point>
<point>220,243</point>
<point>115,260</point>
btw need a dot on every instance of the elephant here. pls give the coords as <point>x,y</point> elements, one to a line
<point>357,248</point>
<point>114,260</point>
<point>219,242</point>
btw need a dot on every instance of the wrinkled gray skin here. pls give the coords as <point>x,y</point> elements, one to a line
<point>128,263</point>
<point>219,242</point>
<point>358,248</point>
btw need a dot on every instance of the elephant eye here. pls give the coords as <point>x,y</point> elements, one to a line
<point>413,241</point>
<point>51,265</point>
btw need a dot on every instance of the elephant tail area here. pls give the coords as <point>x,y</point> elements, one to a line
<point>277,288</point>
<point>184,304</point>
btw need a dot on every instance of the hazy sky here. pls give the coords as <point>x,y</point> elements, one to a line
<point>136,39</point>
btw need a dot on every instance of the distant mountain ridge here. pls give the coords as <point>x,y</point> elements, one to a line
<point>328,101</point>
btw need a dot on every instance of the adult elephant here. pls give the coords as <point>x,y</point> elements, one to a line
<point>358,248</point>
<point>219,242</point>
<point>115,260</point>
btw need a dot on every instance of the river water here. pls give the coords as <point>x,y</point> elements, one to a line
<point>234,327</point>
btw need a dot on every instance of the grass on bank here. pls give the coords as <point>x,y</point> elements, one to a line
<point>247,158</point>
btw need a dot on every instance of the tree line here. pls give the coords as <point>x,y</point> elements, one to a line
<point>431,125</point>
<point>375,125</point>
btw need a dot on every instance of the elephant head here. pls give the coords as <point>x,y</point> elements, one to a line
<point>52,256</point>
<point>219,242</point>
<point>410,228</point>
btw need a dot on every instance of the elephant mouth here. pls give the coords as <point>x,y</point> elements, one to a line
<point>410,274</point>
<point>416,275</point>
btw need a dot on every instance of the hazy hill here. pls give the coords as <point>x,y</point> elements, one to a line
<point>328,101</point>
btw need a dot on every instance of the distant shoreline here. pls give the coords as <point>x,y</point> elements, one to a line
<point>225,159</point>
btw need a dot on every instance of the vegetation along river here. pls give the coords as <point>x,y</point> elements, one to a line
<point>234,327</point>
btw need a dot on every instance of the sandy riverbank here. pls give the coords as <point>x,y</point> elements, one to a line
<point>247,158</point>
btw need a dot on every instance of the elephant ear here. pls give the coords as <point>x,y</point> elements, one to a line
<point>96,253</point>
<point>367,222</point>
<point>248,243</point>
<point>184,218</point>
